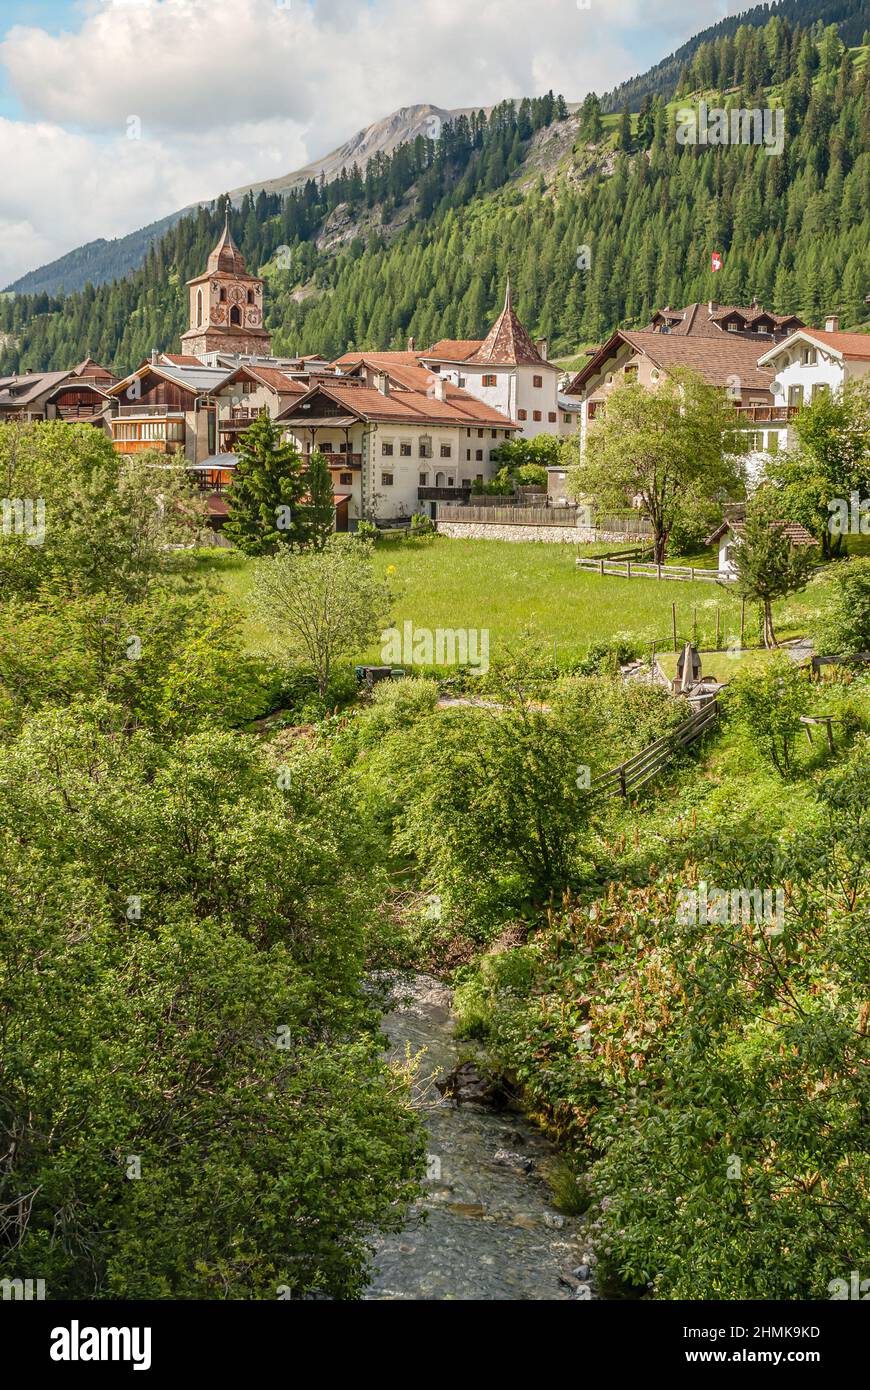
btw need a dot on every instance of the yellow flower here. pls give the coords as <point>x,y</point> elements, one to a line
<point>391,569</point>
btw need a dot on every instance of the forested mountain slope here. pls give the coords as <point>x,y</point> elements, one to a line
<point>420,243</point>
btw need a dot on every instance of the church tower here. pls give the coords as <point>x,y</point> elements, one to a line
<point>226,306</point>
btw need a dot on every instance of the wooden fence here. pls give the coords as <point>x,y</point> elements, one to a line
<point>633,569</point>
<point>633,774</point>
<point>509,515</point>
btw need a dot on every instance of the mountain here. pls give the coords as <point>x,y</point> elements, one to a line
<point>101,261</point>
<point>419,242</point>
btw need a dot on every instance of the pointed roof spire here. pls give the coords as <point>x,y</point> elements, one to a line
<point>507,340</point>
<point>226,256</point>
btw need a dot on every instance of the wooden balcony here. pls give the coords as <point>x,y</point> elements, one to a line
<point>342,460</point>
<point>80,412</point>
<point>767,414</point>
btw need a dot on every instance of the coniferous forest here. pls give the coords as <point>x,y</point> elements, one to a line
<point>430,233</point>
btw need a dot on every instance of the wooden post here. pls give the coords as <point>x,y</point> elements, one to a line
<point>628,569</point>
<point>658,570</point>
<point>692,571</point>
<point>742,621</point>
<point>601,567</point>
<point>622,786</point>
<point>694,624</point>
<point>829,727</point>
<point>674,623</point>
<point>717,626</point>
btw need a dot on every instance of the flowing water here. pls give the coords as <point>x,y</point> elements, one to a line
<point>486,1227</point>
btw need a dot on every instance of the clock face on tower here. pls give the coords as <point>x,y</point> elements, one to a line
<point>236,294</point>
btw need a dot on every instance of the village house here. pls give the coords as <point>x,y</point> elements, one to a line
<point>812,360</point>
<point>79,394</point>
<point>722,344</point>
<point>397,438</point>
<point>507,371</point>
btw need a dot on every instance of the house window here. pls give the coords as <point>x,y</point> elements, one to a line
<point>386,480</point>
<point>223,296</point>
<point>808,357</point>
<point>250,296</point>
<point>631,372</point>
<point>537,381</point>
<point>522,415</point>
<point>326,447</point>
<point>387,448</point>
<point>493,434</point>
<point>551,416</point>
<point>566,419</point>
<point>468,455</point>
<point>425,446</point>
<point>479,477</point>
<point>449,480</point>
<point>424,479</point>
<point>460,381</point>
<point>487,380</point>
<point>507,434</point>
<point>446,450</point>
<point>235,316</point>
<point>405,449</point>
<point>536,414</point>
<point>593,408</point>
<point>478,454</point>
<point>480,434</point>
<point>199,308</point>
<point>345,479</point>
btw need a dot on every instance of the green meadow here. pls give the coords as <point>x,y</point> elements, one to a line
<point>520,591</point>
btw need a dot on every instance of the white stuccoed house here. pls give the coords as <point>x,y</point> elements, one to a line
<point>813,360</point>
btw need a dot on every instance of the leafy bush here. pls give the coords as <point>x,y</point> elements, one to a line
<point>845,621</point>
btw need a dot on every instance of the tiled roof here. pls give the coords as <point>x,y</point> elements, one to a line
<point>736,524</point>
<point>452,350</point>
<point>507,341</point>
<point>705,320</point>
<point>852,345</point>
<point>24,389</point>
<point>412,407</point>
<point>716,360</point>
<point>226,256</point>
<point>378,359</point>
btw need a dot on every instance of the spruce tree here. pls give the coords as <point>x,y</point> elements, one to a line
<point>264,511</point>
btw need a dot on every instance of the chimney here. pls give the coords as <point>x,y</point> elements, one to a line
<point>712,305</point>
<point>411,345</point>
<point>382,382</point>
<point>439,387</point>
<point>155,357</point>
<point>543,347</point>
<point>832,323</point>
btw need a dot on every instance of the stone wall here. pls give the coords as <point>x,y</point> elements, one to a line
<point>489,531</point>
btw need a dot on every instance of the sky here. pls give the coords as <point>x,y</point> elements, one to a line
<point>114,113</point>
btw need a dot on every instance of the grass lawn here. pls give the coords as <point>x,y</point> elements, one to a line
<point>515,588</point>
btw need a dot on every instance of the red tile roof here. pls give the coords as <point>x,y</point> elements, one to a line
<point>855,346</point>
<point>402,405</point>
<point>452,349</point>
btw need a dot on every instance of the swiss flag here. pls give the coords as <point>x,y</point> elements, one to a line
<point>716,261</point>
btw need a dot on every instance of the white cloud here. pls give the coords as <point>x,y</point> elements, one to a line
<point>232,91</point>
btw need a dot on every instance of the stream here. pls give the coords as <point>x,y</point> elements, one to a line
<point>486,1227</point>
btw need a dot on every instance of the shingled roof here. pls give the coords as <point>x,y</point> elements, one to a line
<point>710,320</point>
<point>716,360</point>
<point>507,342</point>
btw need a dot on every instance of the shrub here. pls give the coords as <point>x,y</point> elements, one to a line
<point>844,627</point>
